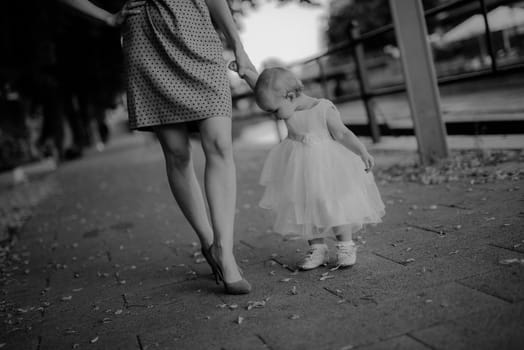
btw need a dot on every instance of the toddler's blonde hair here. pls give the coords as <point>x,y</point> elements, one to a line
<point>276,81</point>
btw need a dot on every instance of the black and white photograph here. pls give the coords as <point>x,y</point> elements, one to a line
<point>262,174</point>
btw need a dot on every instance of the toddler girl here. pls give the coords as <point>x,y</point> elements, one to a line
<point>317,180</point>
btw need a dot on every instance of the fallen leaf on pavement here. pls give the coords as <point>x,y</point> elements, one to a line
<point>255,304</point>
<point>325,276</point>
<point>347,347</point>
<point>511,261</point>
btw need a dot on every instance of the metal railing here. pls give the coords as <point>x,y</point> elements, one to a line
<point>355,44</point>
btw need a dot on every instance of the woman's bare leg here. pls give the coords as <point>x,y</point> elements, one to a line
<point>220,186</point>
<point>182,179</point>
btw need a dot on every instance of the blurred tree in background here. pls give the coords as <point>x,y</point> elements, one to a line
<point>57,63</point>
<point>369,14</point>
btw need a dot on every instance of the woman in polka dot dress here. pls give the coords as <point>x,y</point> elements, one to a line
<point>176,75</point>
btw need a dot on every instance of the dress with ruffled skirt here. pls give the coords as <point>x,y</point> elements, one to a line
<point>313,183</point>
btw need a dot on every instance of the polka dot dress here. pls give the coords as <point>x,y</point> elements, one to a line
<point>174,65</point>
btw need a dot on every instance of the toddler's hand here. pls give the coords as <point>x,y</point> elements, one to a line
<point>250,76</point>
<point>368,160</point>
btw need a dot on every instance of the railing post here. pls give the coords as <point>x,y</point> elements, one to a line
<point>322,78</point>
<point>487,35</point>
<point>358,56</point>
<point>420,78</point>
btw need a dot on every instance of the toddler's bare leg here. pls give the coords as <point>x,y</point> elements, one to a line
<point>343,233</point>
<point>316,241</point>
<point>346,249</point>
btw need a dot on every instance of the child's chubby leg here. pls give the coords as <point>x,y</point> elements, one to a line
<point>316,256</point>
<point>346,248</point>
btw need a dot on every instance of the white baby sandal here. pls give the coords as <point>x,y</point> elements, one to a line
<point>317,255</point>
<point>346,254</point>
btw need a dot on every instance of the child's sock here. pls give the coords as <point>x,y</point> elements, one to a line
<point>346,253</point>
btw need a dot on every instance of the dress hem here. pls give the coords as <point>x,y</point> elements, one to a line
<point>153,125</point>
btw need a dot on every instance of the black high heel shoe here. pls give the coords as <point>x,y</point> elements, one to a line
<point>235,288</point>
<point>211,262</point>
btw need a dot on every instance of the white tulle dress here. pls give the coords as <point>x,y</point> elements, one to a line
<point>313,183</point>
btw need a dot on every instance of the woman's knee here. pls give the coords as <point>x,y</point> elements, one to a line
<point>218,147</point>
<point>177,150</point>
<point>178,156</point>
<point>216,137</point>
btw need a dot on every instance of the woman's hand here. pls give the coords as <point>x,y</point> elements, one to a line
<point>131,8</point>
<point>368,160</point>
<point>243,63</point>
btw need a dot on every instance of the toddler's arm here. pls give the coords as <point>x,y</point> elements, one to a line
<point>249,75</point>
<point>346,137</point>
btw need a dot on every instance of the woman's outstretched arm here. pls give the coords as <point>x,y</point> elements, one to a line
<point>112,19</point>
<point>221,14</point>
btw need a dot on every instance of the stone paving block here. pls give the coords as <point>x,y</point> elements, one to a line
<point>500,327</point>
<point>19,340</point>
<point>398,343</point>
<point>370,323</point>
<point>510,237</point>
<point>24,291</point>
<point>269,245</point>
<point>506,283</point>
<point>203,339</point>
<point>404,251</point>
<point>93,282</point>
<point>92,340</point>
<point>452,248</point>
<point>184,304</point>
<point>382,285</point>
<point>181,317</point>
<point>79,313</point>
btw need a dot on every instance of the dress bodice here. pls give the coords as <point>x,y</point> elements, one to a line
<point>309,126</point>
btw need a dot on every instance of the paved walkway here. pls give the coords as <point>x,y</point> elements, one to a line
<point>108,262</point>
